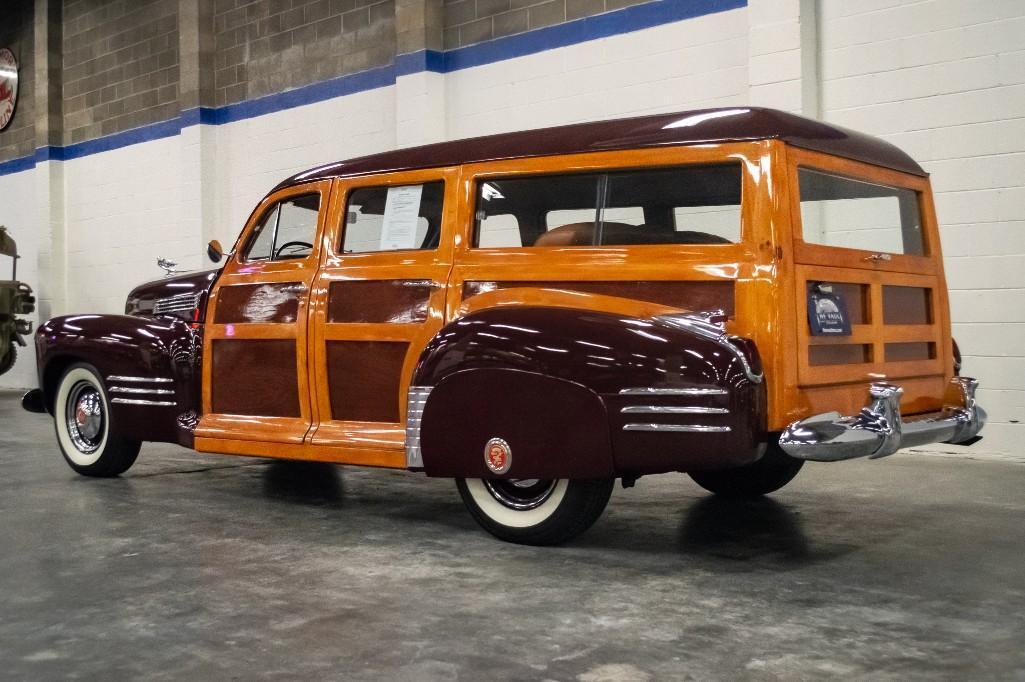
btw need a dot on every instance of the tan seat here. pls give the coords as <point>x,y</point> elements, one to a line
<point>579,234</point>
<point>622,234</point>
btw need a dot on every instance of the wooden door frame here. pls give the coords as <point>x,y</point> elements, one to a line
<point>264,435</point>
<point>361,442</point>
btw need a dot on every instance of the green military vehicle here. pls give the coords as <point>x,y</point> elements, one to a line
<point>15,299</point>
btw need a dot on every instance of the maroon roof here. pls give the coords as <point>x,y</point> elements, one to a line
<point>687,127</point>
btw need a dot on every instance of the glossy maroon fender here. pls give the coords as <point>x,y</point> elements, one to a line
<point>554,427</point>
<point>588,354</point>
<point>119,345</point>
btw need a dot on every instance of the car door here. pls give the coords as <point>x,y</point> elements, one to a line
<point>256,389</point>
<point>380,297</point>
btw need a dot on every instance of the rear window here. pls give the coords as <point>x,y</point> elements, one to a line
<point>853,214</point>
<point>689,205</point>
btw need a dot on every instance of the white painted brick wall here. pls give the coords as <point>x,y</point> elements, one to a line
<point>256,154</point>
<point>692,64</point>
<point>945,80</point>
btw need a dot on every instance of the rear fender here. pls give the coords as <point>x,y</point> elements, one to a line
<point>137,358</point>
<point>572,385</point>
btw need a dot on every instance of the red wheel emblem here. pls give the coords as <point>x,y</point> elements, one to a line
<point>498,455</point>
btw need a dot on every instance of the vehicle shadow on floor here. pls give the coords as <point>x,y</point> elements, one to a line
<point>310,483</point>
<point>740,534</point>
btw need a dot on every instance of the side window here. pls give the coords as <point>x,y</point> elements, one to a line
<point>287,230</point>
<point>393,218</point>
<point>839,211</point>
<point>687,205</point>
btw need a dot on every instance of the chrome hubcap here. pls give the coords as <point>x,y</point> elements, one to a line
<point>521,493</point>
<point>84,416</point>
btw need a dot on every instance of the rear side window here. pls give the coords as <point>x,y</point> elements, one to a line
<point>688,205</point>
<point>839,211</point>
<point>287,230</point>
<point>393,218</point>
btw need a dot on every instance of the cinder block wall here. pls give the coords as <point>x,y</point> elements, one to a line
<point>120,66</point>
<point>268,46</point>
<point>473,21</point>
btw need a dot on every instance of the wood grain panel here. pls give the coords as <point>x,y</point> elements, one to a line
<point>393,301</point>
<point>364,379</point>
<point>907,305</point>
<point>839,354</point>
<point>276,302</point>
<point>915,350</point>
<point>255,377</point>
<point>689,295</point>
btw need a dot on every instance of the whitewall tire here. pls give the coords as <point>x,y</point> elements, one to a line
<point>87,439</point>
<point>535,511</point>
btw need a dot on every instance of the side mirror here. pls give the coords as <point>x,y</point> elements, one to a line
<point>214,251</point>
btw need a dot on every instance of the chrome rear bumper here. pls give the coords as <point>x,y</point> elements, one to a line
<point>879,430</point>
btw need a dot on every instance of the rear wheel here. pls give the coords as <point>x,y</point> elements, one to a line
<point>770,473</point>
<point>81,414</point>
<point>535,511</point>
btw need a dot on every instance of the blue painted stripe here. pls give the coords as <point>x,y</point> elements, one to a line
<point>22,163</point>
<point>626,20</point>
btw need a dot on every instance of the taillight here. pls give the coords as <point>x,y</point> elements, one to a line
<point>957,357</point>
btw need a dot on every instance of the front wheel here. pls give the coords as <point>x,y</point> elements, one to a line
<point>535,511</point>
<point>81,414</point>
<point>770,473</point>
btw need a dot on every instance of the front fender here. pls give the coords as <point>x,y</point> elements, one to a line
<point>142,349</point>
<point>708,411</point>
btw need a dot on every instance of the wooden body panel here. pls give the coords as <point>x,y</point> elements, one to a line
<point>403,298</point>
<point>254,319</point>
<point>809,389</point>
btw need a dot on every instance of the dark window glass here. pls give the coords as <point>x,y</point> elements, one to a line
<point>287,230</point>
<point>839,211</point>
<point>688,205</point>
<point>394,218</point>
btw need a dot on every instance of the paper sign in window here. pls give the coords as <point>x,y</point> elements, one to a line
<point>401,212</point>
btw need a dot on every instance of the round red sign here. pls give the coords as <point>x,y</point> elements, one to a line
<point>8,86</point>
<point>498,455</point>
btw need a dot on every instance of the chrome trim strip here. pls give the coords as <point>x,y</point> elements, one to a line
<point>416,400</point>
<point>176,303</point>
<point>136,401</point>
<point>711,326</point>
<point>154,380</point>
<point>677,428</point>
<point>878,430</point>
<point>153,391</point>
<point>672,409</point>
<point>673,391</point>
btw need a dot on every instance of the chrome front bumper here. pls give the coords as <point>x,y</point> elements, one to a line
<point>880,431</point>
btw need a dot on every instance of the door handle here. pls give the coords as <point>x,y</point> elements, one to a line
<point>878,258</point>
<point>294,288</point>
<point>429,283</point>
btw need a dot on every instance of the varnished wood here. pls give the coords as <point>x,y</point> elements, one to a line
<point>238,272</point>
<point>768,273</point>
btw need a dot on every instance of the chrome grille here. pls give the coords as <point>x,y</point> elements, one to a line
<point>176,304</point>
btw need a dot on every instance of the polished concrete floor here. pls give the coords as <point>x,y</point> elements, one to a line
<point>207,567</point>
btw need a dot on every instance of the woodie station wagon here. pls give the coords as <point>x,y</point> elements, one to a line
<point>726,293</point>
